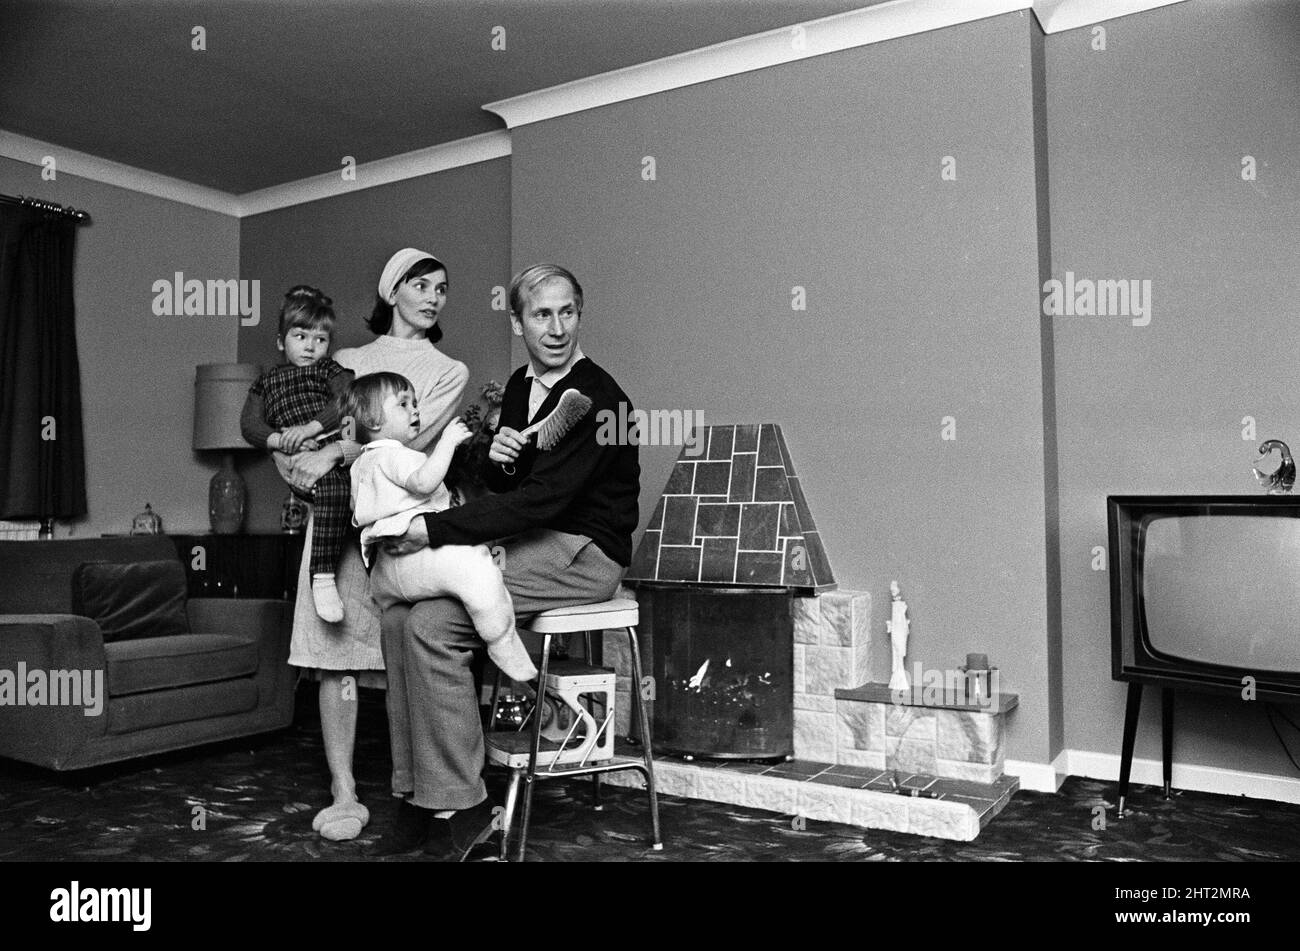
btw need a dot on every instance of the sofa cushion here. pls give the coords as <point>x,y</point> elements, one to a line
<point>36,577</point>
<point>184,705</point>
<point>129,601</point>
<point>159,663</point>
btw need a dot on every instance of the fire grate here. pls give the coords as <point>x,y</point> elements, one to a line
<point>724,671</point>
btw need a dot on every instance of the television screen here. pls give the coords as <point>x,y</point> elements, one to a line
<point>1223,589</point>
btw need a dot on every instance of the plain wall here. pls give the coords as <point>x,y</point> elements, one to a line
<point>1145,147</point>
<point>922,303</point>
<point>462,216</point>
<point>137,369</point>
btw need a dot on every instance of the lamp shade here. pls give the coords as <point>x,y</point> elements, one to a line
<point>219,393</point>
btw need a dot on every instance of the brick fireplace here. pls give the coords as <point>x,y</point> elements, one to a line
<point>729,546</point>
<point>734,522</point>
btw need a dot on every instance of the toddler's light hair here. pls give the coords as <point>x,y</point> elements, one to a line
<point>364,401</point>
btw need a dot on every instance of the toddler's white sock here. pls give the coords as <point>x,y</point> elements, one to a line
<point>326,597</point>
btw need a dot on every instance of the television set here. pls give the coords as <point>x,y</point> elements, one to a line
<point>1205,593</point>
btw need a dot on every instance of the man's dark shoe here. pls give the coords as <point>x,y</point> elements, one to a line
<point>438,843</point>
<point>465,830</point>
<point>409,831</point>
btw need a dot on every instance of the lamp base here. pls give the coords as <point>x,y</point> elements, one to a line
<point>226,498</point>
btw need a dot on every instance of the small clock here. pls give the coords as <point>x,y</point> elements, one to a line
<point>147,522</point>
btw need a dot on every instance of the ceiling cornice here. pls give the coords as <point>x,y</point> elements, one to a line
<point>70,162</point>
<point>1057,15</point>
<point>437,158</point>
<point>885,21</point>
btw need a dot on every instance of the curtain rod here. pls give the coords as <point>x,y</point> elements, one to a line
<point>80,217</point>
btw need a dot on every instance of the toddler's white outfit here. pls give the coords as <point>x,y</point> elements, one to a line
<point>383,506</point>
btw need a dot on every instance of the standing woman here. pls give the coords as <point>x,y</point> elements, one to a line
<point>412,292</point>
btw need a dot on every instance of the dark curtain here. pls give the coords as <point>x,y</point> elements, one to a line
<point>40,380</point>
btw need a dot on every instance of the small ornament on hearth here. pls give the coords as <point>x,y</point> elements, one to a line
<point>979,678</point>
<point>147,522</point>
<point>898,626</point>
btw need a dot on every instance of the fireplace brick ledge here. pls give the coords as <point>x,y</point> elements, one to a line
<point>880,693</point>
<point>834,793</point>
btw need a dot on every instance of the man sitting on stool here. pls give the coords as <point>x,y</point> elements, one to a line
<point>565,518</point>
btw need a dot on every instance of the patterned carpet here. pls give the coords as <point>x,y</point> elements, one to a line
<point>259,796</point>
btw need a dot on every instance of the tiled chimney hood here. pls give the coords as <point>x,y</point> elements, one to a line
<point>734,516</point>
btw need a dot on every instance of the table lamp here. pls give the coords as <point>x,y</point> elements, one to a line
<point>219,393</point>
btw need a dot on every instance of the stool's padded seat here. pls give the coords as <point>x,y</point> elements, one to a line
<point>621,612</point>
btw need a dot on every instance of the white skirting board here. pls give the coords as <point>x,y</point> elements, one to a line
<point>1043,777</point>
<point>1037,777</point>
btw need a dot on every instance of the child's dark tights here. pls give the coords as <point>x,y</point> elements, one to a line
<point>331,519</point>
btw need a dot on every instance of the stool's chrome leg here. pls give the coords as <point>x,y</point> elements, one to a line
<point>638,705</point>
<point>496,694</point>
<point>586,643</point>
<point>595,793</point>
<point>530,780</point>
<point>508,815</point>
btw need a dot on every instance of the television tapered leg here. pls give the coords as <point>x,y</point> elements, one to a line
<point>1167,735</point>
<point>1131,710</point>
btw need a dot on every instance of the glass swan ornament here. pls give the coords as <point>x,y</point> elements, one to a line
<point>1277,480</point>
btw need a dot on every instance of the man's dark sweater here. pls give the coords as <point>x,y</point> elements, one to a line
<point>579,487</point>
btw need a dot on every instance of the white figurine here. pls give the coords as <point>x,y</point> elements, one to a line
<point>897,627</point>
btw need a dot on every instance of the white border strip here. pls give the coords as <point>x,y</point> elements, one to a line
<point>1037,777</point>
<point>885,21</point>
<point>1041,777</point>
<point>70,162</point>
<point>1057,15</point>
<point>436,158</point>
<point>1211,779</point>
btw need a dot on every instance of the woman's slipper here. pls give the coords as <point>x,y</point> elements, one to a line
<point>341,821</point>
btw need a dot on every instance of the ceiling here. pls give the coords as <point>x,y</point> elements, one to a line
<point>286,88</point>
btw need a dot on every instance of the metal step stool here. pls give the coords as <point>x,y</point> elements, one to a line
<point>585,745</point>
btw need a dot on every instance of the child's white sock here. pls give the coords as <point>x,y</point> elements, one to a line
<point>509,654</point>
<point>326,597</point>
